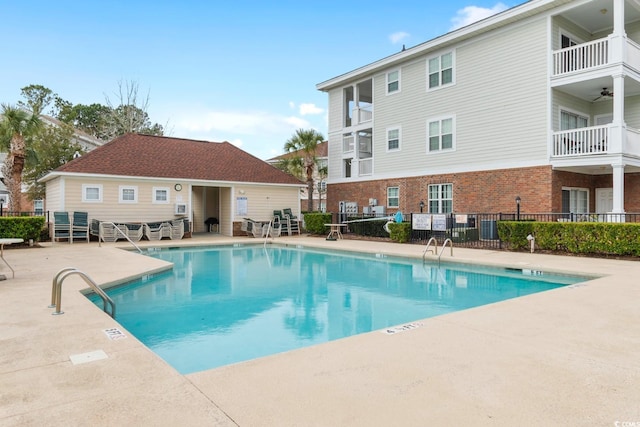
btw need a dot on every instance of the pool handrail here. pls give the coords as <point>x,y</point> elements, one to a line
<point>435,248</point>
<point>443,246</point>
<point>56,291</point>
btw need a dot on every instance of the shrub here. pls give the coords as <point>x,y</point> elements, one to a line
<point>22,227</point>
<point>314,222</point>
<point>400,231</point>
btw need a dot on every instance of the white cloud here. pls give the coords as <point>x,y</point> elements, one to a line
<point>242,123</point>
<point>471,14</point>
<point>306,109</point>
<point>398,37</point>
<point>292,105</point>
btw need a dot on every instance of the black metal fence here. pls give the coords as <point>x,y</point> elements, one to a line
<point>472,230</point>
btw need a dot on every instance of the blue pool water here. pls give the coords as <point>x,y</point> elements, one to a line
<point>223,305</point>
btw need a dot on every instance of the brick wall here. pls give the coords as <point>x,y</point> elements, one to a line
<point>539,188</point>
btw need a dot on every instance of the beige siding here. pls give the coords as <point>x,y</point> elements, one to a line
<point>197,208</point>
<point>226,211</point>
<point>53,195</point>
<point>262,201</point>
<point>500,111</point>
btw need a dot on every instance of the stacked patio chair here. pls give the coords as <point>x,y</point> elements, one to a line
<point>80,226</point>
<point>292,222</point>
<point>157,230</point>
<point>61,226</point>
<point>134,232</point>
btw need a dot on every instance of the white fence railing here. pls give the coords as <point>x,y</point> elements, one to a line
<point>348,143</point>
<point>583,141</point>
<point>363,114</point>
<point>581,57</point>
<point>365,167</point>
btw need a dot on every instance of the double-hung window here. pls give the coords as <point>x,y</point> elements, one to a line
<point>440,70</point>
<point>393,197</point>
<point>570,120</point>
<point>440,198</point>
<point>92,193</point>
<point>393,82</point>
<point>441,136</point>
<point>393,139</point>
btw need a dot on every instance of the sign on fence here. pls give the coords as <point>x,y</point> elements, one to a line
<point>421,221</point>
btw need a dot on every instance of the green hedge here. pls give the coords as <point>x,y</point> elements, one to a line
<point>22,227</point>
<point>314,222</point>
<point>400,231</point>
<point>575,237</point>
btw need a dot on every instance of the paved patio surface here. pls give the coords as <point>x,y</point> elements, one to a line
<point>570,356</point>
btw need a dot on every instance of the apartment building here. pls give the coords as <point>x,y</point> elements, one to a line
<point>540,102</point>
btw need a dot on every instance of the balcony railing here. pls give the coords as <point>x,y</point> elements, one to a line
<point>581,57</point>
<point>348,144</point>
<point>365,166</point>
<point>363,114</point>
<point>581,142</point>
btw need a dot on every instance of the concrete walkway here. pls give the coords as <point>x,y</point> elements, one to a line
<point>570,356</point>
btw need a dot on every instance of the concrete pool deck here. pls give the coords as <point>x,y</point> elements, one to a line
<point>570,356</point>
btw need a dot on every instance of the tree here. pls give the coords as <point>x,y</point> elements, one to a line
<point>52,147</point>
<point>16,130</point>
<point>130,115</point>
<point>37,98</point>
<point>303,145</point>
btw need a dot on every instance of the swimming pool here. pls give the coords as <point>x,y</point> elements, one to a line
<point>223,305</point>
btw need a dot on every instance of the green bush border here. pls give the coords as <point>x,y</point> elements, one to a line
<point>314,222</point>
<point>597,238</point>
<point>22,227</point>
<point>400,231</point>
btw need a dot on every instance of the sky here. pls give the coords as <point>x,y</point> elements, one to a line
<point>238,71</point>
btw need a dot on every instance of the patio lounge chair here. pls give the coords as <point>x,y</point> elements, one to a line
<point>80,226</point>
<point>276,227</point>
<point>284,222</point>
<point>156,230</point>
<point>135,232</point>
<point>176,229</point>
<point>258,229</point>
<point>61,226</point>
<point>109,233</point>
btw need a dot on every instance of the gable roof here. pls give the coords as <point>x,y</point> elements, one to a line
<point>321,152</point>
<point>151,156</point>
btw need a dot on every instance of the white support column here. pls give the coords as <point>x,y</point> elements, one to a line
<point>618,129</point>
<point>618,191</point>
<point>618,38</point>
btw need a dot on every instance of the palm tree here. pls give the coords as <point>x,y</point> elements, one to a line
<point>16,127</point>
<point>304,144</point>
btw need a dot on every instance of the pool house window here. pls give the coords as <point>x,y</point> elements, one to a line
<point>393,197</point>
<point>92,193</point>
<point>128,194</point>
<point>161,195</point>
<point>440,198</point>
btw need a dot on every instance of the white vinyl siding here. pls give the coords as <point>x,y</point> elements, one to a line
<point>393,82</point>
<point>491,131</point>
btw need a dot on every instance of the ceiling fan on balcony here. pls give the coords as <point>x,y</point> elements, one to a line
<point>605,93</point>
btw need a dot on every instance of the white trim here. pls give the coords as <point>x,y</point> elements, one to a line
<point>398,197</point>
<point>121,188</point>
<point>154,198</point>
<point>561,32</point>
<point>390,128</point>
<point>85,187</point>
<point>439,119</point>
<point>439,55</point>
<point>395,70</point>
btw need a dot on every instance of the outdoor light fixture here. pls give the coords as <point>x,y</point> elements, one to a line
<point>421,206</point>
<point>518,208</point>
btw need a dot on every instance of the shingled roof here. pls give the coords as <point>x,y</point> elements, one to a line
<point>165,157</point>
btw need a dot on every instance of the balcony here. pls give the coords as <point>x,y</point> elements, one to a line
<point>365,167</point>
<point>595,140</point>
<point>348,144</point>
<point>363,114</point>
<point>591,55</point>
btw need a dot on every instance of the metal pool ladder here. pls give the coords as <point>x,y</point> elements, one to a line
<point>435,247</point>
<point>444,245</point>
<point>56,291</point>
